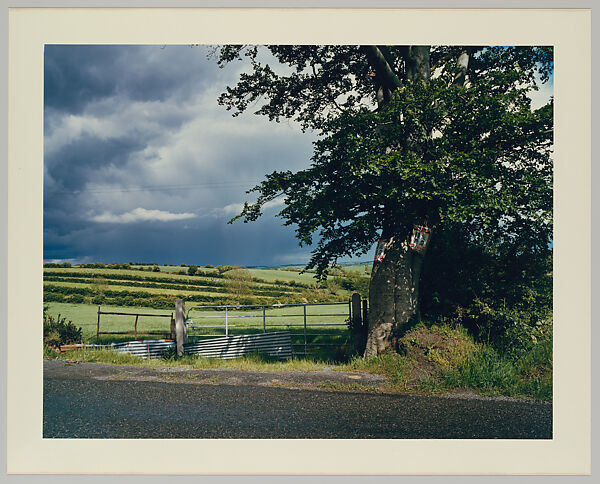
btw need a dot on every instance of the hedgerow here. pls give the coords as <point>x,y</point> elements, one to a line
<point>170,280</point>
<point>68,294</point>
<point>183,286</point>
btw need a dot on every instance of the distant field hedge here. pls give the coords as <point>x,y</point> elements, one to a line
<point>162,279</point>
<point>183,285</point>
<point>84,295</point>
<point>89,291</point>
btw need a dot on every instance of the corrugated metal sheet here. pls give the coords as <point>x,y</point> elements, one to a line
<point>276,344</point>
<point>145,349</point>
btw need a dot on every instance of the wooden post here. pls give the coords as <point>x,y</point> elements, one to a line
<point>172,327</point>
<point>135,326</point>
<point>180,332</point>
<point>365,320</point>
<point>356,311</point>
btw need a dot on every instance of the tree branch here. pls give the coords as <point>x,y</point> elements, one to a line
<point>383,69</point>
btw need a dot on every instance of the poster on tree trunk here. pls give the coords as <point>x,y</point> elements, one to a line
<point>420,238</point>
<point>380,251</point>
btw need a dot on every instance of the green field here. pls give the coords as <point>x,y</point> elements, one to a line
<point>86,317</point>
<point>77,292</point>
<point>156,289</point>
<point>272,275</point>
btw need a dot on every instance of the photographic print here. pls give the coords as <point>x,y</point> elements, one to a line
<point>238,234</point>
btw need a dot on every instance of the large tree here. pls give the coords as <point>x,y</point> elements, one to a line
<point>437,136</point>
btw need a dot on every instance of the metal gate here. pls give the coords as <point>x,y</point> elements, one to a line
<point>312,326</point>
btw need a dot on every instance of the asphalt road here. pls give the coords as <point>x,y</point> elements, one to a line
<point>98,401</point>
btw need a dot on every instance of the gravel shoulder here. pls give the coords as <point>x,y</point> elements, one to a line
<point>321,380</point>
<point>310,380</point>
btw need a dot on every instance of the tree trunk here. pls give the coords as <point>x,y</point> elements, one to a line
<point>393,295</point>
<point>394,289</point>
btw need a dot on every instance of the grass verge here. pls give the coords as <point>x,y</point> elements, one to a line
<point>255,362</point>
<point>432,360</point>
<point>439,359</point>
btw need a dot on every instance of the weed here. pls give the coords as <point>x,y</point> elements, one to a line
<point>58,331</point>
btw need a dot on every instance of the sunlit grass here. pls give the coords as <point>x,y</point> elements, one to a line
<point>291,319</point>
<point>254,362</point>
<point>200,291</point>
<point>484,372</point>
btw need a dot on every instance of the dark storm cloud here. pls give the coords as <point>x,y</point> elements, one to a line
<point>124,127</point>
<point>215,242</point>
<point>77,162</point>
<point>75,76</point>
<point>71,81</point>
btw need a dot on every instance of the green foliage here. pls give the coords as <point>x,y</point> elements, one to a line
<point>98,286</point>
<point>493,374</point>
<point>192,270</point>
<point>390,364</point>
<point>56,265</point>
<point>442,358</point>
<point>352,281</point>
<point>471,155</point>
<point>58,331</point>
<point>503,296</point>
<point>459,150</point>
<point>238,283</point>
<point>437,346</point>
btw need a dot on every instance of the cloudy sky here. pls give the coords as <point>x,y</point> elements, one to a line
<point>141,164</point>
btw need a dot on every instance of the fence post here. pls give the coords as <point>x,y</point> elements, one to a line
<point>356,310</point>
<point>180,325</point>
<point>365,320</point>
<point>173,331</point>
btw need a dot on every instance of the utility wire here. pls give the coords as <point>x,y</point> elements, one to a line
<point>247,184</point>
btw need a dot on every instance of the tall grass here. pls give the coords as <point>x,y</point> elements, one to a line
<point>428,368</point>
<point>392,365</point>
<point>493,374</point>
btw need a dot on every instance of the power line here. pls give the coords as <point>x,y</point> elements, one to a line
<point>221,185</point>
